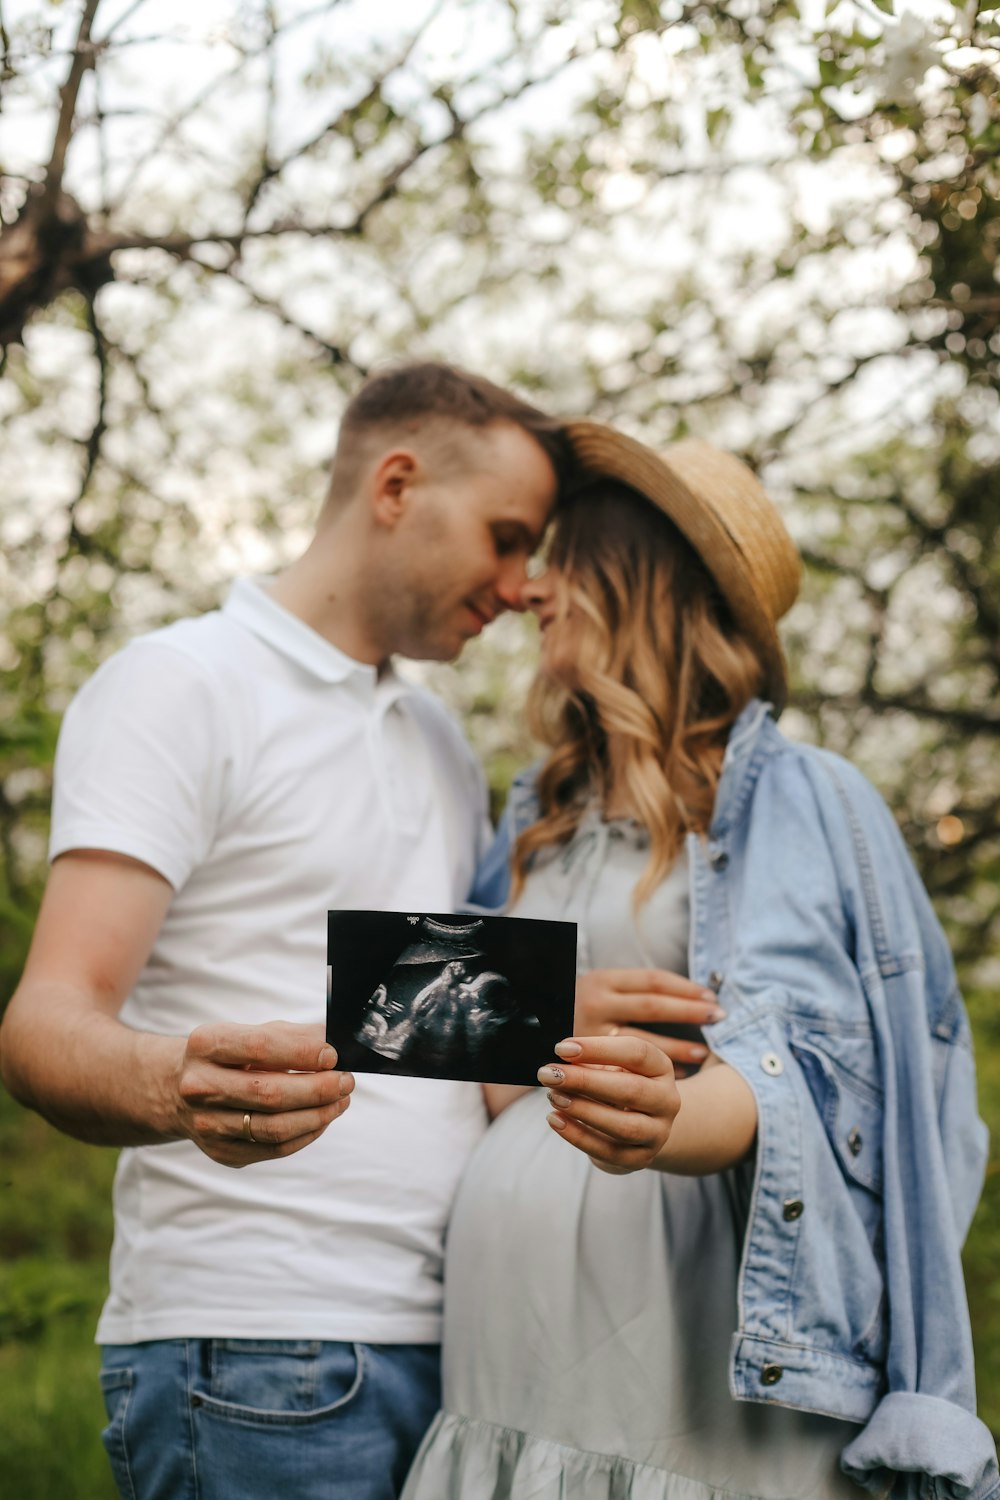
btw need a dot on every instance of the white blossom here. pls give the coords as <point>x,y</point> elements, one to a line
<point>909,52</point>
<point>979,115</point>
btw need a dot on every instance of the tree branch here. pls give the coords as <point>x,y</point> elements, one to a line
<point>333,352</point>
<point>92,444</point>
<point>171,125</point>
<point>83,58</point>
<point>969,721</point>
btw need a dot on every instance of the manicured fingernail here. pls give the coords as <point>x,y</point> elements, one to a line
<point>327,1057</point>
<point>550,1074</point>
<point>346,1084</point>
<point>561,1101</point>
<point>708,995</point>
<point>568,1049</point>
<point>697,1054</point>
<point>557,1122</point>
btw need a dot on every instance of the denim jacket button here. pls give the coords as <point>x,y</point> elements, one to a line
<point>771,1374</point>
<point>855,1142</point>
<point>793,1208</point>
<point>719,860</point>
<point>716,980</point>
<point>772,1064</point>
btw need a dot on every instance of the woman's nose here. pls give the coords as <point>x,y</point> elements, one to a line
<point>537,591</point>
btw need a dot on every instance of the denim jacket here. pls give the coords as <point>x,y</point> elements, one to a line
<point>844,1016</point>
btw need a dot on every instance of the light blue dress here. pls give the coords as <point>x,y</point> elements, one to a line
<point>588,1317</point>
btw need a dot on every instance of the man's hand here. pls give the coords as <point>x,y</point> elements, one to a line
<point>276,1083</point>
<point>614,1098</point>
<point>64,1052</point>
<point>620,1002</point>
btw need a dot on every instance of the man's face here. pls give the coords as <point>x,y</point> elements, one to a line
<point>463,548</point>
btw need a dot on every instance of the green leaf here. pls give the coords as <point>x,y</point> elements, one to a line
<point>717,123</point>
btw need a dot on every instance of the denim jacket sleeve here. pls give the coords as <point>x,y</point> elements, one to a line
<point>492,879</point>
<point>934,1153</point>
<point>491,885</point>
<point>831,927</point>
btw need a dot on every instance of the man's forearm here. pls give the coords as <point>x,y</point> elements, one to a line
<point>716,1126</point>
<point>86,1072</point>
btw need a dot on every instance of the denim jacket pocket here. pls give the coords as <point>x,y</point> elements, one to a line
<point>850,1106</point>
<point>850,1112</point>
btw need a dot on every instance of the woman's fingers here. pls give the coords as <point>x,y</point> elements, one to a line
<point>658,982</point>
<point>626,1127</point>
<point>608,1154</point>
<point>689,1055</point>
<point>584,1057</point>
<point>614,1097</point>
<point>617,998</point>
<point>615,1086</point>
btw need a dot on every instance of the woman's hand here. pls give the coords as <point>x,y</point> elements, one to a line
<point>615,1099</point>
<point>619,1002</point>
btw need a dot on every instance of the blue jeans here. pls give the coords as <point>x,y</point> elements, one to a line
<point>237,1419</point>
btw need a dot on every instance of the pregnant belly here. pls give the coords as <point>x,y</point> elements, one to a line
<point>577,1303</point>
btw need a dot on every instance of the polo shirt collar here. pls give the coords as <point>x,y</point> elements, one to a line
<point>250,604</point>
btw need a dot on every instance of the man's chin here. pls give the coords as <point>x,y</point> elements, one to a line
<point>442,650</point>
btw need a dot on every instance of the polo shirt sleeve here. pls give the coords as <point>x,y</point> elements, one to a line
<point>141,761</point>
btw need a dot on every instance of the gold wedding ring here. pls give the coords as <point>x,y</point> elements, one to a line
<point>248,1134</point>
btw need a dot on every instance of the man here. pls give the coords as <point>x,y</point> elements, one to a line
<point>219,785</point>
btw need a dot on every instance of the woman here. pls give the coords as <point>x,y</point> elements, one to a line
<point>745,1282</point>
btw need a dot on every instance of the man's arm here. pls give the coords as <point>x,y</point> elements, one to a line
<point>64,1053</point>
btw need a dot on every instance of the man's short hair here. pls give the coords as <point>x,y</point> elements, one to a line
<point>417,393</point>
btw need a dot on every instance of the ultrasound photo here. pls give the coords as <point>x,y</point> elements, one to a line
<point>434,995</point>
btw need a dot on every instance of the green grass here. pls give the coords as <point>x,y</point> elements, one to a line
<point>52,1414</point>
<point>55,1234</point>
<point>982,1251</point>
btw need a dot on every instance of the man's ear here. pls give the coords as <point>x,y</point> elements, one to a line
<point>391,486</point>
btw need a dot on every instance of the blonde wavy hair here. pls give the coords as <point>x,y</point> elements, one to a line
<point>657,673</point>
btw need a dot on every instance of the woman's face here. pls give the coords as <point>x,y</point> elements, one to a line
<point>547,596</point>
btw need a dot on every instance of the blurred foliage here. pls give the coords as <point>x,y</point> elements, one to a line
<point>55,1235</point>
<point>772,224</point>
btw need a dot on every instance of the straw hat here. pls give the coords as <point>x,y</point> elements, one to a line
<point>721,508</point>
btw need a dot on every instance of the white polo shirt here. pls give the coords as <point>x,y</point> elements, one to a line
<point>269,778</point>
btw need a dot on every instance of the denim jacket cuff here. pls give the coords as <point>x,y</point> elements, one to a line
<point>913,1433</point>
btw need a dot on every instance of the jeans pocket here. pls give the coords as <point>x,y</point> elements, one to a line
<point>270,1382</point>
<point>116,1387</point>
